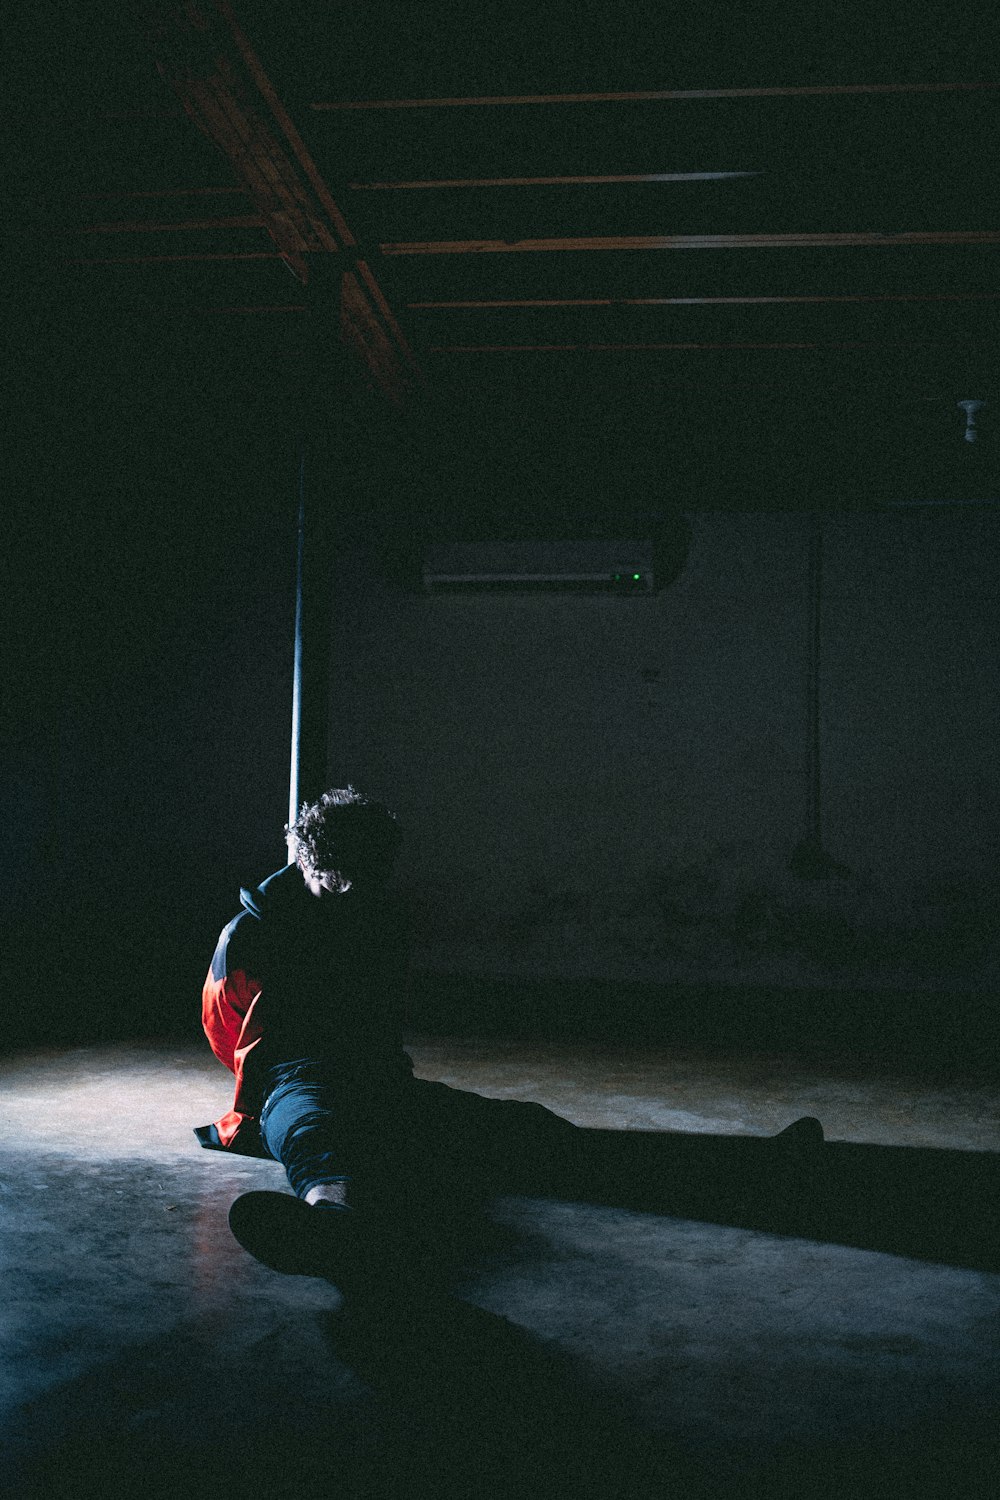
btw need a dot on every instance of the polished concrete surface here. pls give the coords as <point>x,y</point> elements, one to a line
<point>851,1347</point>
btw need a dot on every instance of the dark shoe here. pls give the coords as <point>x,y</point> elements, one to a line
<point>801,1137</point>
<point>291,1236</point>
<point>367,1256</point>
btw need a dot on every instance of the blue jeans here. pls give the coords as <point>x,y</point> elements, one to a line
<point>378,1135</point>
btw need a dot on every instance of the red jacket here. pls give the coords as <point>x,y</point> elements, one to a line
<point>228,1016</point>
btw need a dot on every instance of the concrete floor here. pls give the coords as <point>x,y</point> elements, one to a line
<point>582,1349</point>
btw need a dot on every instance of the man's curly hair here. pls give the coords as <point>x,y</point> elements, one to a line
<point>345,833</point>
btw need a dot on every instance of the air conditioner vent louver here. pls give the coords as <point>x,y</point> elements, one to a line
<point>587,567</point>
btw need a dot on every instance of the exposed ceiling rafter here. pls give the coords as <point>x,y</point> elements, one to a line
<point>153,226</point>
<point>456,221</point>
<point>608,180</point>
<point>225,90</point>
<point>501,302</point>
<point>151,260</point>
<point>681,347</point>
<point>200,192</point>
<point>692,242</point>
<point>641,96</point>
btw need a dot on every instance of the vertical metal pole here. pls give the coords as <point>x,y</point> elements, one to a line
<point>813,688</point>
<point>325,405</point>
<point>295,767</point>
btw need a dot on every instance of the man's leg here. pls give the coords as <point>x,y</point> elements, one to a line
<point>496,1146</point>
<point>340,1147</point>
<point>303,1125</point>
<point>480,1147</point>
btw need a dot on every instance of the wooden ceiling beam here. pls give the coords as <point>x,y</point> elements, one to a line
<point>193,62</point>
<point>501,302</point>
<point>281,115</point>
<point>143,260</point>
<point>151,226</point>
<point>867,345</point>
<point>224,89</point>
<point>843,380</point>
<point>293,222</point>
<point>182,309</point>
<point>481,182</point>
<point>586,243</point>
<point>203,192</point>
<point>372,289</point>
<point>363,328</point>
<point>641,96</point>
<point>277,307</point>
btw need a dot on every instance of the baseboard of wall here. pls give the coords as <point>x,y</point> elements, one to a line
<point>930,1031</point>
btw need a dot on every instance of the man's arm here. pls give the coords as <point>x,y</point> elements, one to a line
<point>227,995</point>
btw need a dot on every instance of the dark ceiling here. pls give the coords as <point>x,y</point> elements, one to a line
<point>693,256</point>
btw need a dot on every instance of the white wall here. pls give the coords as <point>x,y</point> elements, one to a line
<point>597,787</point>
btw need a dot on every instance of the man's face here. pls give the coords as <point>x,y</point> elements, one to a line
<point>325,883</point>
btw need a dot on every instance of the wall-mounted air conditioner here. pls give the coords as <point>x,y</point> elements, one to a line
<point>584,567</point>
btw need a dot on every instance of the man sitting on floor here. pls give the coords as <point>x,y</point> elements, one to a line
<point>303,1003</point>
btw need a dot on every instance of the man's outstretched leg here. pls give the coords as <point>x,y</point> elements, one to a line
<point>337,1154</point>
<point>691,1174</point>
<point>521,1147</point>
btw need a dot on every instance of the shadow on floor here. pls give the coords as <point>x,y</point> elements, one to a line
<point>432,1396</point>
<point>484,1408</point>
<point>501,1415</point>
<point>457,1403</point>
<point>497,1413</point>
<point>927,1204</point>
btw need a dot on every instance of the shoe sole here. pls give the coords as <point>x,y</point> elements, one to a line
<point>280,1232</point>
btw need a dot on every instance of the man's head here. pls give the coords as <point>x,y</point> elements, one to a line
<point>343,839</point>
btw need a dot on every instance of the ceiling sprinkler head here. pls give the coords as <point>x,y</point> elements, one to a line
<point>970,408</point>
